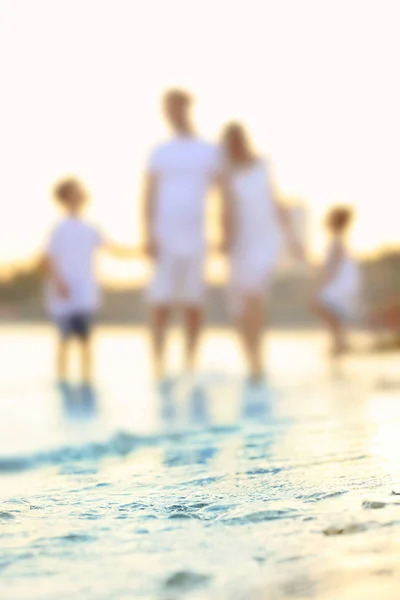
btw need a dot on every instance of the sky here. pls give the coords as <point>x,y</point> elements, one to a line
<point>315,81</point>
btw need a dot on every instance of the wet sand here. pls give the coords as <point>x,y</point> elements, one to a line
<point>287,493</point>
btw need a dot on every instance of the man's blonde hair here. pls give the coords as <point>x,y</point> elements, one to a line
<point>178,95</point>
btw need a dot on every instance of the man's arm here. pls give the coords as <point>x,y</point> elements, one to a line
<point>149,200</point>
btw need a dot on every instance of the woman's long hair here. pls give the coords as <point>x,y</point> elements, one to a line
<point>236,146</point>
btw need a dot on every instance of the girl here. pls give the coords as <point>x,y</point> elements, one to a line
<point>253,223</point>
<point>338,286</point>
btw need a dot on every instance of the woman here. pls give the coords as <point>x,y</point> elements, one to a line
<point>253,224</point>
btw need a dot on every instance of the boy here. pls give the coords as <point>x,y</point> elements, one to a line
<point>338,285</point>
<point>72,293</point>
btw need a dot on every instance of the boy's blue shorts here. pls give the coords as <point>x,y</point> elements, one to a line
<point>77,325</point>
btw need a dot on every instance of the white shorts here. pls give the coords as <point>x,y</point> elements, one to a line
<point>178,280</point>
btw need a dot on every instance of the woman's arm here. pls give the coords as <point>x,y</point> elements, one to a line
<point>227,216</point>
<point>286,224</point>
<point>283,216</point>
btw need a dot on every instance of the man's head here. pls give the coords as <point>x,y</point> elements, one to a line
<point>177,104</point>
<point>339,219</point>
<point>71,194</point>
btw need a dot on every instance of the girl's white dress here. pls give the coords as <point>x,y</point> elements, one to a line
<point>257,237</point>
<point>343,293</point>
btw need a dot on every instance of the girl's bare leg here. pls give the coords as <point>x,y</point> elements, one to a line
<point>250,325</point>
<point>159,324</point>
<point>335,327</point>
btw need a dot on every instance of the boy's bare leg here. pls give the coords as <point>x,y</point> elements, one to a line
<point>159,323</point>
<point>250,325</point>
<point>62,359</point>
<point>86,360</point>
<point>193,316</point>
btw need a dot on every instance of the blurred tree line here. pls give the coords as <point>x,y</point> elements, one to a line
<point>21,296</point>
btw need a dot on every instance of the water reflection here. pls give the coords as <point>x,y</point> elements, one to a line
<point>256,402</point>
<point>184,405</point>
<point>183,408</point>
<point>79,402</point>
<point>167,402</point>
<point>198,406</point>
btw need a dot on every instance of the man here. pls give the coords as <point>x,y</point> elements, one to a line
<point>179,175</point>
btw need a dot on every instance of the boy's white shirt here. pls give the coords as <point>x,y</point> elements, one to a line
<point>72,248</point>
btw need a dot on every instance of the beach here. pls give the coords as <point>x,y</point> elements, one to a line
<point>115,494</point>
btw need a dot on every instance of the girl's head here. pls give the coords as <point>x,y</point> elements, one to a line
<point>71,194</point>
<point>339,219</point>
<point>236,144</point>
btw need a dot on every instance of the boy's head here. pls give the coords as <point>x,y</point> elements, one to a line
<point>177,104</point>
<point>71,194</point>
<point>339,219</point>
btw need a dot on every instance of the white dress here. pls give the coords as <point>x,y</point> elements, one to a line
<point>257,237</point>
<point>343,293</point>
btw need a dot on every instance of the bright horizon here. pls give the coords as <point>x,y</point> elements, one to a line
<point>315,82</point>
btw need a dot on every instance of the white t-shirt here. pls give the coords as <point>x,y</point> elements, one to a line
<point>185,169</point>
<point>72,249</point>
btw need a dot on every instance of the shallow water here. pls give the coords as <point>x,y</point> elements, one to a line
<point>115,493</point>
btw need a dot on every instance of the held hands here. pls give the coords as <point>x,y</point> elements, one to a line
<point>297,250</point>
<point>122,251</point>
<point>224,247</point>
<point>61,288</point>
<point>150,249</point>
